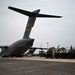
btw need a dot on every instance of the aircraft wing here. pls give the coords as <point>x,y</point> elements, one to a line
<point>3,47</point>
<point>38,48</point>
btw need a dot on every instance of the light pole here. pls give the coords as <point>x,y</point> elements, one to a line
<point>47,44</point>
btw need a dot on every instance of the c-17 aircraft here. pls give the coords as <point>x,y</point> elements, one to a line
<point>21,46</point>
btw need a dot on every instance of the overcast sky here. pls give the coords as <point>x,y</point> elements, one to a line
<point>55,31</point>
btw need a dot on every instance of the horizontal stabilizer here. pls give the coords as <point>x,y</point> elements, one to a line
<point>28,13</point>
<point>22,11</point>
<point>50,16</point>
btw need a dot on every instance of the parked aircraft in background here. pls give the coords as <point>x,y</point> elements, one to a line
<point>21,46</point>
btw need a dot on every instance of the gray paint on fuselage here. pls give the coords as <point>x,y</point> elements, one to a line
<point>18,48</point>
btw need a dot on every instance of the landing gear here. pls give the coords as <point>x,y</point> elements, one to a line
<point>4,56</point>
<point>19,55</point>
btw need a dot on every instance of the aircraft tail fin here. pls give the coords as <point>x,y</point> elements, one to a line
<point>30,23</point>
<point>32,17</point>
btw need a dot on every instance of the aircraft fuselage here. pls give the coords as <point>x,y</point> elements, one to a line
<point>17,48</point>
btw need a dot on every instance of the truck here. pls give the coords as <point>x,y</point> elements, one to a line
<point>60,53</point>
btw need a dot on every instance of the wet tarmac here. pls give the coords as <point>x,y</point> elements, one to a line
<point>12,66</point>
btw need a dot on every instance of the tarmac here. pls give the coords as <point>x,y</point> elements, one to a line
<point>36,66</point>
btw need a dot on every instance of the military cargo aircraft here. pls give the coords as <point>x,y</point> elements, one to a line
<point>19,47</point>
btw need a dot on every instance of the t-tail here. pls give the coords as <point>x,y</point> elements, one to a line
<point>32,17</point>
